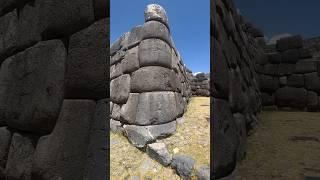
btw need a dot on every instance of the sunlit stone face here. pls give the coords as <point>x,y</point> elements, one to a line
<point>155,12</point>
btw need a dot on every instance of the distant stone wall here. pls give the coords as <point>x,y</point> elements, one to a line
<point>234,84</point>
<point>149,85</point>
<point>53,89</point>
<point>289,78</point>
<point>313,44</point>
<point>200,84</point>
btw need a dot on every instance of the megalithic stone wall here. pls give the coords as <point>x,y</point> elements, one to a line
<point>149,84</point>
<point>290,78</point>
<point>53,89</point>
<point>200,84</point>
<point>235,93</point>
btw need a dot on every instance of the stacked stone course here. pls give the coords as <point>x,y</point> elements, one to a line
<point>290,79</point>
<point>53,89</point>
<point>235,93</point>
<point>200,84</point>
<point>149,87</point>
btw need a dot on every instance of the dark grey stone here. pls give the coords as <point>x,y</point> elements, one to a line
<point>159,152</point>
<point>240,122</point>
<point>9,5</point>
<point>32,87</point>
<point>8,31</point>
<point>283,80</point>
<point>267,100</point>
<point>101,8</point>
<point>129,110</point>
<point>292,42</point>
<point>268,83</point>
<point>296,80</point>
<point>87,71</point>
<point>312,101</point>
<point>274,58</point>
<point>19,163</point>
<point>153,78</point>
<point>304,53</point>
<point>140,136</point>
<point>291,97</point>
<point>203,173</point>
<point>312,82</point>
<point>155,29</point>
<point>184,165</point>
<point>130,62</point>
<point>306,66</point>
<point>225,142</point>
<point>120,89</point>
<point>115,126</point>
<point>71,136</point>
<point>97,154</point>
<point>155,52</point>
<point>116,70</point>
<point>156,108</point>
<point>5,139</point>
<point>285,69</point>
<point>59,18</point>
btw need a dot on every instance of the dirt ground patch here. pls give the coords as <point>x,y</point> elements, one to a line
<point>191,138</point>
<point>285,145</point>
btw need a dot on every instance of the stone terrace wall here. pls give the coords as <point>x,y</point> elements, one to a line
<point>53,89</point>
<point>290,77</point>
<point>200,84</point>
<point>313,44</point>
<point>234,84</point>
<point>149,86</point>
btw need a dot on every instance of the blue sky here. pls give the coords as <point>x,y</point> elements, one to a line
<point>283,16</point>
<point>189,23</point>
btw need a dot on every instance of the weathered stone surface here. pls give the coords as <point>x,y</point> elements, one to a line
<point>8,31</point>
<point>130,62</point>
<point>116,70</point>
<point>139,136</point>
<point>305,66</point>
<point>291,97</point>
<point>312,82</point>
<point>296,80</point>
<point>159,152</point>
<point>226,140</point>
<point>283,80</point>
<point>268,83</point>
<point>87,71</point>
<point>97,154</point>
<point>71,136</point>
<point>236,94</point>
<point>116,112</point>
<point>5,139</point>
<point>312,101</point>
<point>32,87</point>
<point>267,100</point>
<point>156,108</point>
<point>291,42</point>
<point>115,126</point>
<point>183,165</point>
<point>304,53</point>
<point>101,8</point>
<point>274,58</point>
<point>120,89</point>
<point>9,5</point>
<point>153,78</point>
<point>285,69</point>
<point>63,17</point>
<point>20,156</point>
<point>268,69</point>
<point>203,173</point>
<point>135,36</point>
<point>129,110</point>
<point>154,52</point>
<point>155,29</point>
<point>180,104</point>
<point>220,74</point>
<point>155,12</point>
<point>117,57</point>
